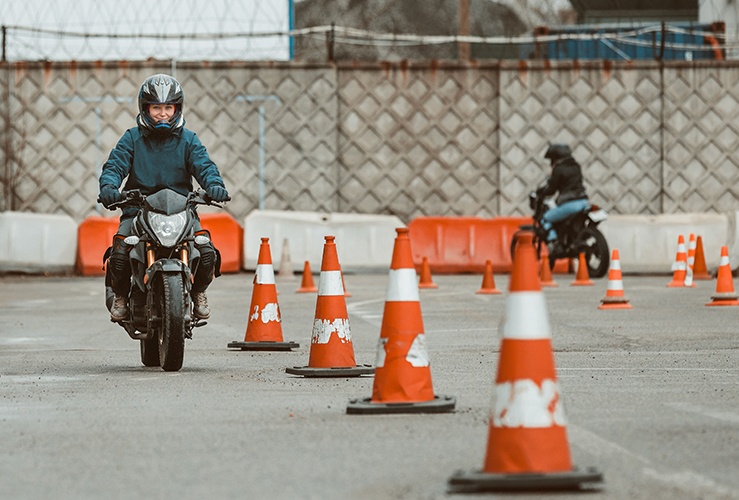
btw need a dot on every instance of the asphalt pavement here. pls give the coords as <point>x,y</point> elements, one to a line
<point>651,396</point>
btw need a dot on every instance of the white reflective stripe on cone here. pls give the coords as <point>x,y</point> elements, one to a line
<point>616,285</point>
<point>330,283</point>
<point>402,286</point>
<point>265,274</point>
<point>526,317</point>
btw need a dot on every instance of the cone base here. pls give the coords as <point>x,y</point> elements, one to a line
<point>338,371</point>
<point>615,305</point>
<point>263,346</point>
<point>549,283</point>
<point>724,302</point>
<point>440,404</point>
<point>479,481</point>
<point>488,291</point>
<point>428,285</point>
<point>582,283</point>
<point>307,290</point>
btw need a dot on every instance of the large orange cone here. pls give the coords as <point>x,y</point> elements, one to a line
<point>615,298</point>
<point>307,285</point>
<point>488,281</point>
<point>402,371</point>
<point>331,349</point>
<point>700,271</point>
<point>725,295</point>
<point>527,438</point>
<point>426,281</point>
<point>582,278</point>
<point>545,275</point>
<point>264,325</point>
<point>688,283</point>
<point>680,267</point>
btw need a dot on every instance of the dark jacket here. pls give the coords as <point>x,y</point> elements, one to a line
<point>153,162</point>
<point>566,179</point>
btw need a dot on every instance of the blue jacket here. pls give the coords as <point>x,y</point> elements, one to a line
<point>153,162</point>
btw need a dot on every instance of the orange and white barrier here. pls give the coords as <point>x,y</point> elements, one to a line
<point>264,324</point>
<point>725,295</point>
<point>615,297</point>
<point>403,369</point>
<point>331,348</point>
<point>527,438</point>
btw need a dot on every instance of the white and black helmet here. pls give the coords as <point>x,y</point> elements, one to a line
<point>161,89</point>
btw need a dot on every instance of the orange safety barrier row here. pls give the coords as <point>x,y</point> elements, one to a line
<point>95,234</point>
<point>463,244</point>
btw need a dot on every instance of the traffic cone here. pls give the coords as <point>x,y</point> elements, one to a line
<point>582,278</point>
<point>402,381</point>
<point>688,283</point>
<point>700,271</point>
<point>426,281</point>
<point>343,283</point>
<point>488,281</point>
<point>264,329</point>
<point>331,349</point>
<point>680,267</point>
<point>545,276</point>
<point>285,272</point>
<point>307,285</point>
<point>527,439</point>
<point>725,295</point>
<point>615,298</point>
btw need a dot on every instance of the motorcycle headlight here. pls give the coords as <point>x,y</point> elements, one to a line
<point>167,228</point>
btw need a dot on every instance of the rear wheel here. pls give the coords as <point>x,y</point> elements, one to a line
<point>595,248</point>
<point>172,308</point>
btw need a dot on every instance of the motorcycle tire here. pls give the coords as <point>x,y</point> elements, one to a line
<point>596,252</point>
<point>150,351</point>
<point>171,333</point>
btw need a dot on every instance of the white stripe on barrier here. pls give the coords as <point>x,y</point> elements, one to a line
<point>265,274</point>
<point>526,317</point>
<point>402,286</point>
<point>330,283</point>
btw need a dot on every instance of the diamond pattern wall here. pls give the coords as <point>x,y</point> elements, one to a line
<point>407,139</point>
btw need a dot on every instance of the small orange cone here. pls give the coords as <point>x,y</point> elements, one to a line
<point>725,295</point>
<point>582,278</point>
<point>402,381</point>
<point>426,281</point>
<point>700,271</point>
<point>615,298</point>
<point>688,283</point>
<point>264,325</point>
<point>331,349</point>
<point>488,281</point>
<point>545,276</point>
<point>307,285</point>
<point>343,283</point>
<point>527,438</point>
<point>680,267</point>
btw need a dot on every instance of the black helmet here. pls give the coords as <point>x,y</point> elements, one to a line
<point>557,152</point>
<point>161,89</point>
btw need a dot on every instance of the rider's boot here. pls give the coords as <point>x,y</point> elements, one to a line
<point>119,309</point>
<point>200,303</point>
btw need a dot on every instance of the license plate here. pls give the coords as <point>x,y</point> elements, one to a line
<point>598,215</point>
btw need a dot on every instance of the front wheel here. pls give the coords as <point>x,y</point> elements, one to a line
<point>171,332</point>
<point>595,248</point>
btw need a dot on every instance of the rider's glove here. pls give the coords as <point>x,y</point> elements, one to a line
<point>109,195</point>
<point>218,193</point>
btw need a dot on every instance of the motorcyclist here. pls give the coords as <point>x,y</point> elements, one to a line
<point>566,180</point>
<point>158,153</point>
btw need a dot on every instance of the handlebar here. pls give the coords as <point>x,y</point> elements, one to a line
<point>135,198</point>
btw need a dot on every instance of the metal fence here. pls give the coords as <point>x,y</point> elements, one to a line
<point>408,139</point>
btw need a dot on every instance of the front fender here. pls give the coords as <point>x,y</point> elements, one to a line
<point>169,266</point>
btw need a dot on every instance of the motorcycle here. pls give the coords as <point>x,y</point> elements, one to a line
<point>164,257</point>
<point>575,234</point>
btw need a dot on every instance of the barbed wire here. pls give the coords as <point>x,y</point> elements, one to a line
<point>16,37</point>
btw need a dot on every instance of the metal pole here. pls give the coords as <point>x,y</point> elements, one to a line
<point>261,157</point>
<point>464,29</point>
